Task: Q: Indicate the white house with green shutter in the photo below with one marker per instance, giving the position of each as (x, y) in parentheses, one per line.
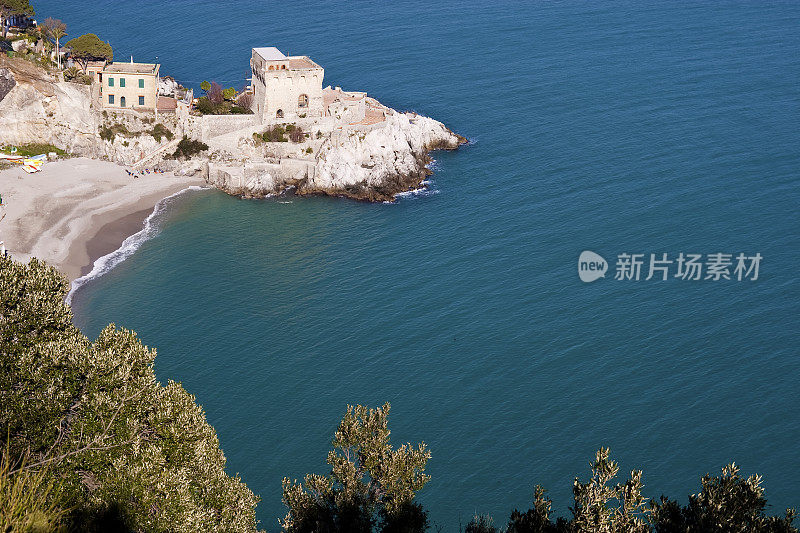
(129, 86)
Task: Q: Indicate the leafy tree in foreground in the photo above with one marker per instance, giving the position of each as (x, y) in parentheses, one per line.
(118, 447)
(9, 8)
(480, 524)
(594, 508)
(89, 47)
(726, 504)
(370, 485)
(537, 518)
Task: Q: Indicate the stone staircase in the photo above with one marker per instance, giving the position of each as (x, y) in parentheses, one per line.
(171, 146)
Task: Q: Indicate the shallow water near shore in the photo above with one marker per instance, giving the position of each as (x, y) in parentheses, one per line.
(638, 128)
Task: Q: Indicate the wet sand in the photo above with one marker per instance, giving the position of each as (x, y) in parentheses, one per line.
(111, 236)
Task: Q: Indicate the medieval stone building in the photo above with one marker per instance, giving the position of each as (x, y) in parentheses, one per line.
(285, 87)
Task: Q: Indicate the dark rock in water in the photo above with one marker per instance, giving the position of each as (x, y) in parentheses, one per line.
(7, 82)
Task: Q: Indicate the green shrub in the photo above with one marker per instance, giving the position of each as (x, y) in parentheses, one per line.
(205, 106)
(108, 133)
(159, 131)
(31, 149)
(274, 134)
(72, 73)
(189, 147)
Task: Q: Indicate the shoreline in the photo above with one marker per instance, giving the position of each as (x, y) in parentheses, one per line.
(110, 237)
(78, 210)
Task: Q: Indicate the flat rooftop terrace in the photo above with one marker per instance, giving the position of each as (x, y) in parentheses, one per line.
(301, 63)
(132, 68)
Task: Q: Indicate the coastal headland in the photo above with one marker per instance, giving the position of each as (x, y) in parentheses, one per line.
(333, 142)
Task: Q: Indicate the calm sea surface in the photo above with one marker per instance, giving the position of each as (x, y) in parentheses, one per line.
(638, 127)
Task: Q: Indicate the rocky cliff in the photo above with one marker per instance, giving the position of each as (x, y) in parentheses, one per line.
(38, 109)
(376, 164)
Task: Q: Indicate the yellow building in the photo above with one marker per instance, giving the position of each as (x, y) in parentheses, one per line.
(128, 86)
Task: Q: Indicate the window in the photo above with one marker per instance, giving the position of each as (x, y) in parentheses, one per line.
(111, 99)
(110, 82)
(141, 100)
(302, 101)
(122, 82)
(279, 114)
(141, 83)
(122, 101)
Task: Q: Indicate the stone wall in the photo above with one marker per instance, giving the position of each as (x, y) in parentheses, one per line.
(214, 125)
(262, 178)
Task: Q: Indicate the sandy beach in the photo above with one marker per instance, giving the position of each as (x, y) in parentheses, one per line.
(76, 210)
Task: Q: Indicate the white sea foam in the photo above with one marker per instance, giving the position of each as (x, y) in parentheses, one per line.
(149, 230)
(422, 191)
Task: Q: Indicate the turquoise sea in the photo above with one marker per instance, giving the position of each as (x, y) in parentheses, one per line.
(617, 127)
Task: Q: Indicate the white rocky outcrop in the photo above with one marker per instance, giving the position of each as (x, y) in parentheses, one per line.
(389, 157)
(167, 86)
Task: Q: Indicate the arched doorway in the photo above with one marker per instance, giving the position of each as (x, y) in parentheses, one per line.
(122, 102)
(279, 114)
